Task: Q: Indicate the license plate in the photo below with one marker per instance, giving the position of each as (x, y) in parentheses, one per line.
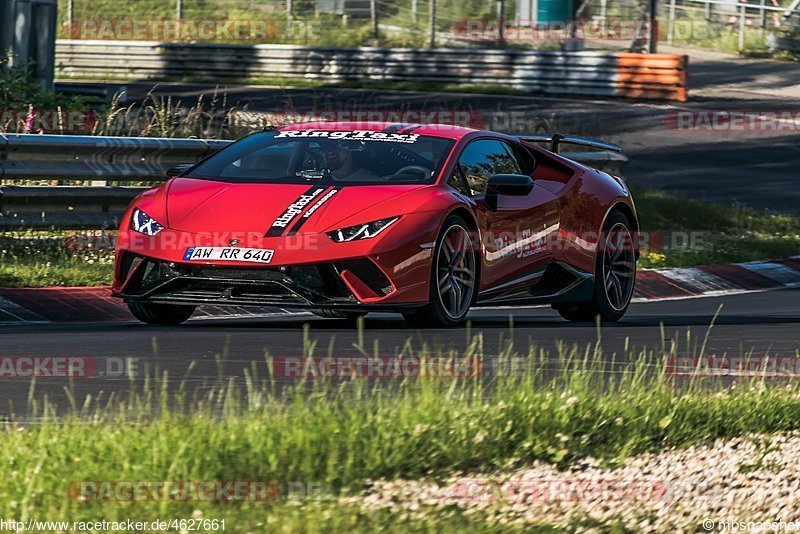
(250, 255)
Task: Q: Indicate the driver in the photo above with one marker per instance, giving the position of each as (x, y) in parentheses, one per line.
(339, 159)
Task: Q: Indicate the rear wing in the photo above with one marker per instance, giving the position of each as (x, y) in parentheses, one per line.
(558, 139)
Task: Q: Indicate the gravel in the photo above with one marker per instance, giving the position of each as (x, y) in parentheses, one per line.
(750, 479)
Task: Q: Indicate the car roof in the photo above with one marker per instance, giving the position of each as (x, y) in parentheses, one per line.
(447, 131)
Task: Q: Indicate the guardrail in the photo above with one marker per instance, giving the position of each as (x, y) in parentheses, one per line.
(87, 157)
(71, 157)
(595, 73)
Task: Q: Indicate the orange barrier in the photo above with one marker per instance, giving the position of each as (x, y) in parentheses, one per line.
(659, 76)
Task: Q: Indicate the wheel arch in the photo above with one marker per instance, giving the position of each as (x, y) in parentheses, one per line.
(627, 211)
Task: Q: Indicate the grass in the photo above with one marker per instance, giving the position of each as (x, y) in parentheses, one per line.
(339, 435)
(697, 233)
(718, 36)
(54, 258)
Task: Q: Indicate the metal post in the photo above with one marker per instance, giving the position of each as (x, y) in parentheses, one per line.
(603, 9)
(70, 15)
(653, 37)
(414, 10)
(671, 22)
(373, 13)
(289, 15)
(742, 22)
(179, 10)
(432, 20)
(709, 8)
(763, 17)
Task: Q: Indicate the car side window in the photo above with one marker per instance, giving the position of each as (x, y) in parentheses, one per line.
(457, 182)
(483, 158)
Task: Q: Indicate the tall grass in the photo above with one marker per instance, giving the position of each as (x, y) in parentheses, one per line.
(557, 407)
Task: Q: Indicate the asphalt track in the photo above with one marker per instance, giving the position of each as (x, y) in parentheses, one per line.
(202, 352)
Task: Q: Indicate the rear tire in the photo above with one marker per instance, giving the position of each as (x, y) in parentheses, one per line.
(454, 278)
(615, 275)
(170, 314)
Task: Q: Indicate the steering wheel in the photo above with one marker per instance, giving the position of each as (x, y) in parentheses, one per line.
(415, 169)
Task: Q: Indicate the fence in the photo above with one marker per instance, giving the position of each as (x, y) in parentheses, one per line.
(697, 21)
(55, 157)
(594, 73)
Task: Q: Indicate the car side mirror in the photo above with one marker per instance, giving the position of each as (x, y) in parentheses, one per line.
(177, 170)
(507, 184)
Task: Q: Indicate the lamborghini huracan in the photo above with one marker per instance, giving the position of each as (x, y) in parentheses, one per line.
(343, 219)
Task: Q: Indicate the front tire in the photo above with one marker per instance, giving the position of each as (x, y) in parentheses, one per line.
(164, 314)
(615, 275)
(454, 277)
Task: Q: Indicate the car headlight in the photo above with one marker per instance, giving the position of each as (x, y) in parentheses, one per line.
(144, 224)
(361, 231)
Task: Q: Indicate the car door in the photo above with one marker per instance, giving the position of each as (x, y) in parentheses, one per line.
(515, 234)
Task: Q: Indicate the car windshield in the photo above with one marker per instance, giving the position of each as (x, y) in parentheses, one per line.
(302, 156)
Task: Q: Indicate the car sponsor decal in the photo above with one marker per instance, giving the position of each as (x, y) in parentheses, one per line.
(293, 210)
(310, 211)
(527, 243)
(356, 135)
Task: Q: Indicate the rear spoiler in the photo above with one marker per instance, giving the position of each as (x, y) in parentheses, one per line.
(557, 139)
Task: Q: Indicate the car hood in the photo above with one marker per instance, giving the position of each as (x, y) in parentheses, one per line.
(275, 209)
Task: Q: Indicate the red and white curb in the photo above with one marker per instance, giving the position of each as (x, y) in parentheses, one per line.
(95, 304)
(713, 280)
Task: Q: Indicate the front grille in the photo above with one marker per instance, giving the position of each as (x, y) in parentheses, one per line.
(203, 271)
(301, 285)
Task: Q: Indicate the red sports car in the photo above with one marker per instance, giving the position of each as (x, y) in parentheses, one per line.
(342, 219)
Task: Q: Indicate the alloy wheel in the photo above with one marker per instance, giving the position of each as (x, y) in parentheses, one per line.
(619, 266)
(455, 270)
